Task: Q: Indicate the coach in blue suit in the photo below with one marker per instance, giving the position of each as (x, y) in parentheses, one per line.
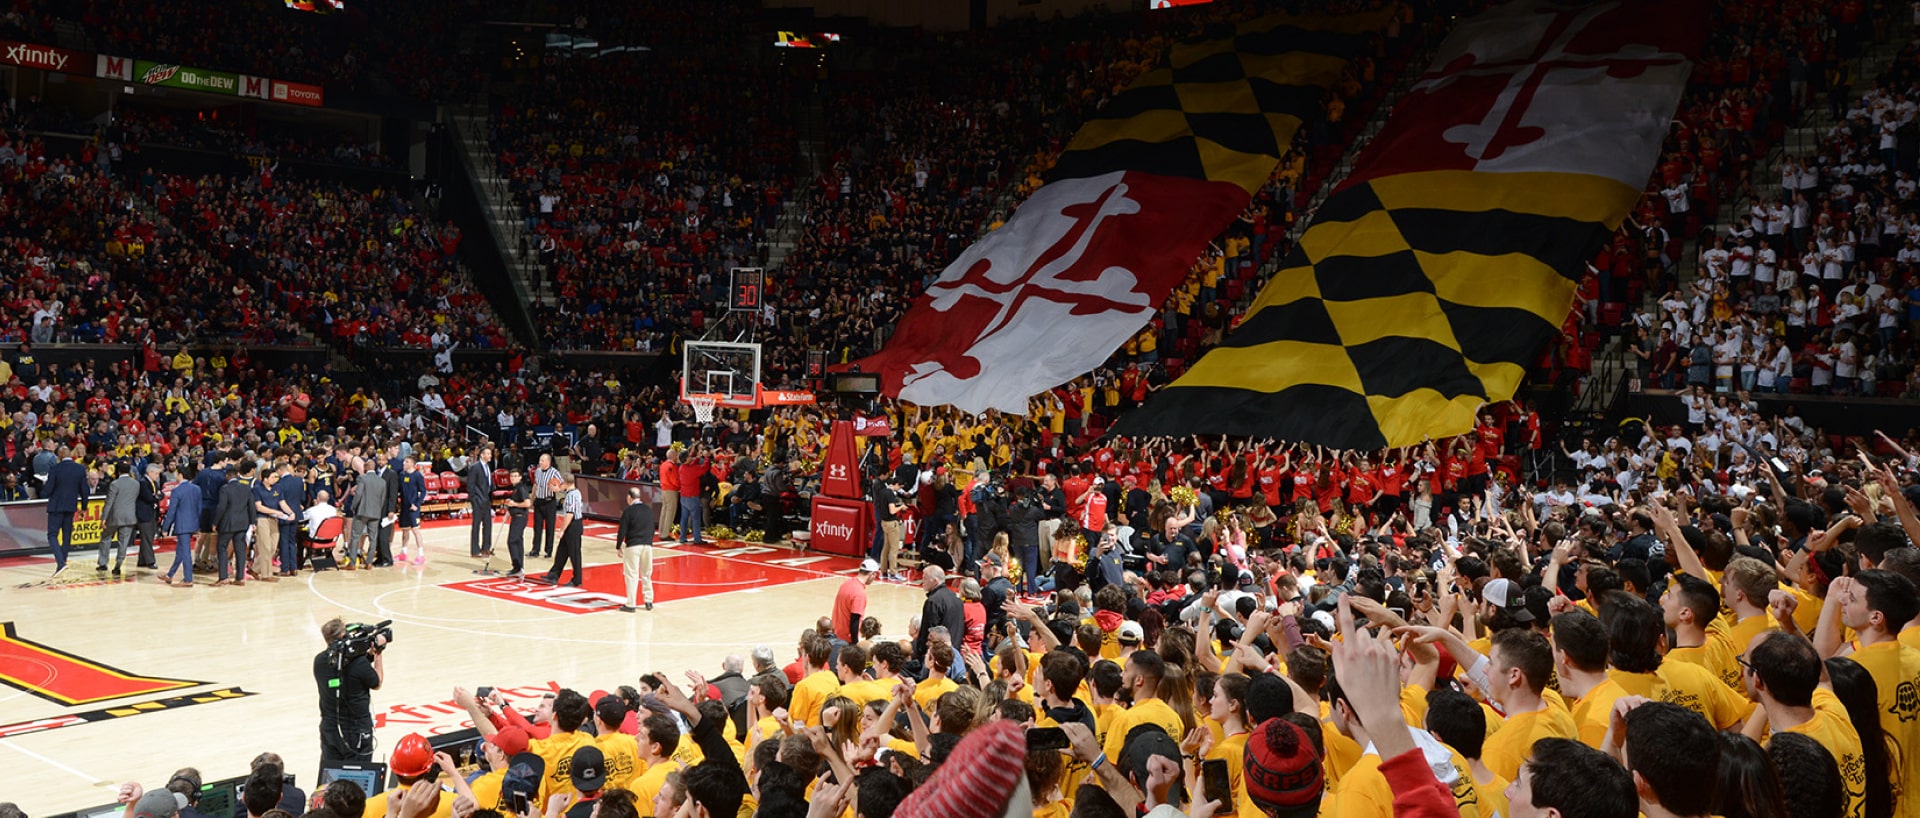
(66, 484)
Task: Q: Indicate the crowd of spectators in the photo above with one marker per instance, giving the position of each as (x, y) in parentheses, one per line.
(644, 176)
(1814, 292)
(1668, 650)
(1745, 320)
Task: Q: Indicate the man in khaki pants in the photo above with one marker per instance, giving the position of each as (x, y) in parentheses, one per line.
(634, 544)
(266, 526)
(669, 494)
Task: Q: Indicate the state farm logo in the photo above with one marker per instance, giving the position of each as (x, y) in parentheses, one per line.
(836, 530)
(540, 595)
(37, 56)
(159, 74)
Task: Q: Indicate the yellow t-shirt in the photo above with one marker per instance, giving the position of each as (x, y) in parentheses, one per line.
(1896, 673)
(1506, 750)
(1056, 809)
(867, 690)
(1690, 686)
(648, 785)
(933, 688)
(622, 753)
(1807, 614)
(1911, 637)
(808, 696)
(1149, 711)
(1716, 656)
(1233, 750)
(1743, 631)
(1493, 794)
(377, 803)
(1594, 712)
(557, 751)
(1365, 793)
(486, 792)
(769, 728)
(1103, 716)
(1830, 727)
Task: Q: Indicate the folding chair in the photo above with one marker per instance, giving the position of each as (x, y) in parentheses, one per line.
(321, 544)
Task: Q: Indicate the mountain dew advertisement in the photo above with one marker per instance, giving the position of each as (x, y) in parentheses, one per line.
(172, 75)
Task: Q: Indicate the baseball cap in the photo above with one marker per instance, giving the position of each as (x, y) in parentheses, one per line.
(589, 769)
(1282, 775)
(511, 740)
(523, 776)
(868, 566)
(1144, 742)
(1130, 632)
(1507, 595)
(156, 804)
(995, 561)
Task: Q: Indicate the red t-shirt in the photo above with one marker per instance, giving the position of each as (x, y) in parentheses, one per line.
(1270, 485)
(975, 615)
(669, 478)
(851, 599)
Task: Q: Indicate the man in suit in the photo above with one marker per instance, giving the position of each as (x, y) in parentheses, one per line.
(480, 501)
(389, 507)
(181, 523)
(634, 544)
(119, 519)
(66, 484)
(146, 513)
(232, 517)
(367, 496)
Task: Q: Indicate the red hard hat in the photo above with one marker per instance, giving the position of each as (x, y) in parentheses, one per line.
(412, 756)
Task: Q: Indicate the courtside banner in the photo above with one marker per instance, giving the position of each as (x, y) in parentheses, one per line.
(173, 75)
(23, 527)
(295, 93)
(1141, 189)
(1439, 269)
(45, 57)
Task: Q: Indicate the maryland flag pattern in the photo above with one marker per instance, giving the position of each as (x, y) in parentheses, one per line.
(1440, 268)
(1141, 189)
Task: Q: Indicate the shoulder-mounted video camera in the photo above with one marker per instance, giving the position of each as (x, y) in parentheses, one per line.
(362, 639)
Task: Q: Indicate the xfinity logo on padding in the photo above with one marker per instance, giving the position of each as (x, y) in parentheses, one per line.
(827, 529)
(23, 54)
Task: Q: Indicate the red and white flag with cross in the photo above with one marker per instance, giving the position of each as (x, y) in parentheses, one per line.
(1554, 87)
(1078, 270)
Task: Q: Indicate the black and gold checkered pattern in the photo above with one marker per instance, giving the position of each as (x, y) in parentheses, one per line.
(1222, 109)
(1411, 301)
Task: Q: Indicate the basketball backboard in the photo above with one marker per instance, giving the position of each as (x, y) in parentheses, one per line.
(728, 370)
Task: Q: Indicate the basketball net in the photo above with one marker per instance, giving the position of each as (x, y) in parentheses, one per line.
(703, 406)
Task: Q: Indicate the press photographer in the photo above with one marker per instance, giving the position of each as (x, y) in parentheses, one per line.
(347, 673)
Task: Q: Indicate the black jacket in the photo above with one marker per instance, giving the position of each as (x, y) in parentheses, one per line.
(1023, 525)
(235, 511)
(146, 507)
(636, 525)
(943, 608)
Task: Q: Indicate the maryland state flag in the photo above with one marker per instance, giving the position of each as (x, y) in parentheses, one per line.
(1159, 172)
(1450, 256)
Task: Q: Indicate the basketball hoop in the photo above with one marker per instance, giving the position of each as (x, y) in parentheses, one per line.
(703, 406)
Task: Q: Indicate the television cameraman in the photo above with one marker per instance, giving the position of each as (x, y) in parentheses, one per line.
(347, 673)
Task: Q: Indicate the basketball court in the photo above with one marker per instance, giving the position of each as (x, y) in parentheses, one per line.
(105, 682)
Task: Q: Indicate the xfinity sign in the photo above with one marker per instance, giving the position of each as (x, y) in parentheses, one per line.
(43, 57)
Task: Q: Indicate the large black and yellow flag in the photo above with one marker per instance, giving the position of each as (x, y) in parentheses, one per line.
(1147, 182)
(1439, 269)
